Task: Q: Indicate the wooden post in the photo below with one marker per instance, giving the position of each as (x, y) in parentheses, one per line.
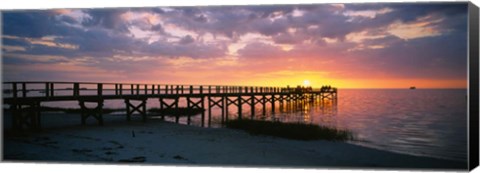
(129, 114)
(99, 89)
(138, 89)
(203, 107)
(191, 89)
(131, 89)
(144, 109)
(37, 115)
(209, 111)
(116, 89)
(252, 106)
(121, 89)
(47, 90)
(146, 89)
(202, 104)
(176, 108)
(51, 89)
(239, 107)
(188, 106)
(161, 108)
(181, 87)
(76, 89)
(223, 108)
(153, 89)
(166, 89)
(273, 103)
(264, 101)
(24, 89)
(225, 105)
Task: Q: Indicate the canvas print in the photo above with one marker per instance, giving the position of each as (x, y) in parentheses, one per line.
(355, 85)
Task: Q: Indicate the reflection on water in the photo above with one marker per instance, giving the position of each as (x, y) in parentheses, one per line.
(419, 122)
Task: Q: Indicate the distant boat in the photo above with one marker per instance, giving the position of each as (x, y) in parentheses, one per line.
(412, 88)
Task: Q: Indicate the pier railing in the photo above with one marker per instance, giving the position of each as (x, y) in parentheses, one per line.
(75, 89)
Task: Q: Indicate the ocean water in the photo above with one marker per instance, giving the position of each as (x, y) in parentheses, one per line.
(428, 122)
(424, 122)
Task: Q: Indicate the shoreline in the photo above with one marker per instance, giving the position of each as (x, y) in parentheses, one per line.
(163, 143)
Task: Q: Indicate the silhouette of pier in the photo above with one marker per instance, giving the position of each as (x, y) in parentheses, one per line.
(24, 98)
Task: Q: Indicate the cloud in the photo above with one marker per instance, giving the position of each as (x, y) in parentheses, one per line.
(13, 48)
(347, 40)
(261, 52)
(108, 19)
(37, 58)
(34, 24)
(186, 40)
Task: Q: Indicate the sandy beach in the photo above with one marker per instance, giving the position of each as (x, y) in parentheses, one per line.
(165, 143)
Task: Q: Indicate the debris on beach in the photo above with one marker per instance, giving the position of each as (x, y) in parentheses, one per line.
(138, 159)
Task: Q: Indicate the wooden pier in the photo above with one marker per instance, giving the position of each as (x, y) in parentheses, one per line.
(24, 98)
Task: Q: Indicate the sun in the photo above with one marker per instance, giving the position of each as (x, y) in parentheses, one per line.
(306, 83)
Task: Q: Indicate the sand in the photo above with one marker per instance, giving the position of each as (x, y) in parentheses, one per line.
(165, 143)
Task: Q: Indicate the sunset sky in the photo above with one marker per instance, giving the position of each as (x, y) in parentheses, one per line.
(343, 45)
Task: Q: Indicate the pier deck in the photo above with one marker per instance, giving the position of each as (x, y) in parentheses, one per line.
(24, 98)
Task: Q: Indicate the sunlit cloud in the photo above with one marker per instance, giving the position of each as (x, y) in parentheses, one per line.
(50, 42)
(371, 14)
(338, 6)
(330, 40)
(77, 15)
(37, 58)
(344, 44)
(129, 58)
(13, 48)
(298, 13)
(424, 27)
(183, 61)
(359, 37)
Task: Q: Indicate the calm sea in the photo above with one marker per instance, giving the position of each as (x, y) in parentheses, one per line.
(425, 122)
(420, 122)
